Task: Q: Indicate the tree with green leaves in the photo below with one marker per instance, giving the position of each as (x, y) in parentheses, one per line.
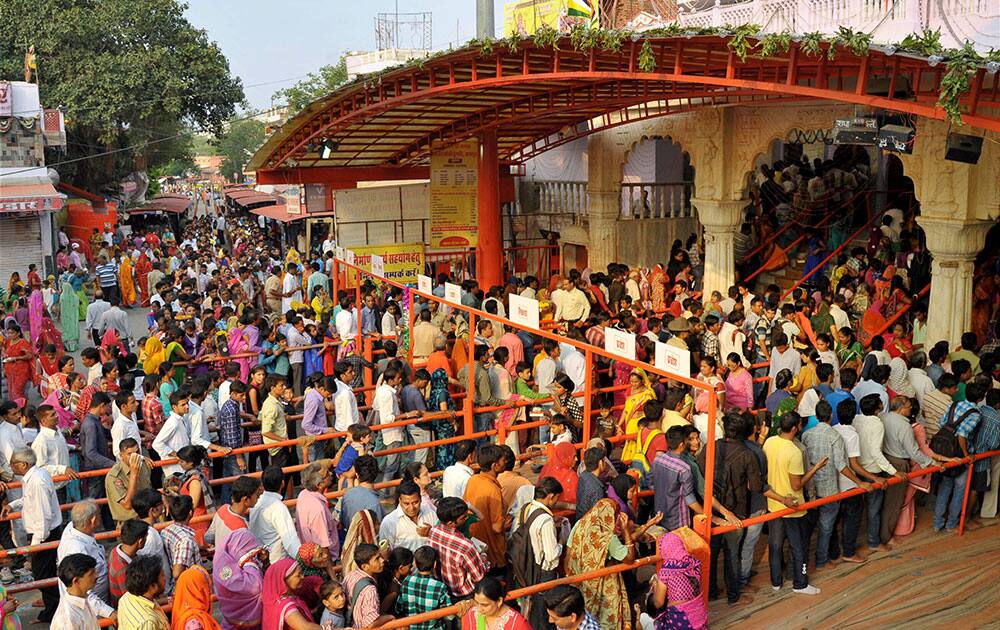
(315, 85)
(133, 76)
(236, 145)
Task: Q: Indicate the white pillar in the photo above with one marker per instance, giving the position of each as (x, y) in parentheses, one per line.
(721, 220)
(602, 226)
(954, 246)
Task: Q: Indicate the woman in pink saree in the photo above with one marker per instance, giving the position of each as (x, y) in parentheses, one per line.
(238, 344)
(36, 312)
(676, 591)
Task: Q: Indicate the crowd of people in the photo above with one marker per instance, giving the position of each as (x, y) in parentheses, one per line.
(245, 346)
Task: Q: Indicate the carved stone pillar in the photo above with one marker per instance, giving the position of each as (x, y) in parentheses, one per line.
(954, 246)
(603, 212)
(721, 220)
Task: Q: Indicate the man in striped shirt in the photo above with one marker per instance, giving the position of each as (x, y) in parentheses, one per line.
(107, 277)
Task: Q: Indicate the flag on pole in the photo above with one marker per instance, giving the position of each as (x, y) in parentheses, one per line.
(30, 66)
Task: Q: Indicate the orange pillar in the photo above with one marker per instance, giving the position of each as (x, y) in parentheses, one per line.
(489, 252)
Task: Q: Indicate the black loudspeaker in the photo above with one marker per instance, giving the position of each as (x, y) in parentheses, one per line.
(963, 148)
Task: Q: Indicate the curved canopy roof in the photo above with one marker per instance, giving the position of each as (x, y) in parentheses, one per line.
(539, 96)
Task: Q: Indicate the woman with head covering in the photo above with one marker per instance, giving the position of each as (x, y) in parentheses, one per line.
(283, 609)
(440, 400)
(239, 579)
(899, 380)
(69, 316)
(18, 365)
(562, 467)
(125, 282)
(153, 355)
(676, 592)
(593, 544)
(658, 288)
(36, 313)
(364, 529)
(639, 393)
(143, 267)
(192, 601)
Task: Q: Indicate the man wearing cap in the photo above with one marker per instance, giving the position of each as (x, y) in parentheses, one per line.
(679, 328)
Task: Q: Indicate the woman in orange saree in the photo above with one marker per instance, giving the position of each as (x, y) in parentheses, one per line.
(142, 269)
(126, 282)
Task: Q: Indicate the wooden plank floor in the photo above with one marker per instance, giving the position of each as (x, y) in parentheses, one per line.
(928, 580)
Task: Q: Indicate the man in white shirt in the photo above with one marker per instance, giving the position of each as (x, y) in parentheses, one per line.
(175, 433)
(546, 543)
(78, 537)
(347, 327)
(197, 421)
(291, 288)
(410, 523)
(345, 403)
(50, 447)
(386, 403)
(871, 433)
(11, 439)
(574, 364)
(732, 337)
(148, 505)
(457, 476)
(41, 519)
(329, 244)
(78, 574)
(922, 383)
(125, 425)
(95, 310)
(574, 305)
(270, 520)
(839, 315)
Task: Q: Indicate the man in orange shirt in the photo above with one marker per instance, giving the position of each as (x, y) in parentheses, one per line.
(483, 493)
(439, 358)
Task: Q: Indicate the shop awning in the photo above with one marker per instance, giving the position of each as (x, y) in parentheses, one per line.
(278, 212)
(33, 197)
(175, 204)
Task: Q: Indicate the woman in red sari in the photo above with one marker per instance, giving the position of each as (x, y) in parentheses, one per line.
(18, 364)
(142, 268)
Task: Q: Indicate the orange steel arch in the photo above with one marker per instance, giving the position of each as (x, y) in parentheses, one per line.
(543, 95)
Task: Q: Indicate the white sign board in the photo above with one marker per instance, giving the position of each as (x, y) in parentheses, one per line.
(453, 293)
(349, 257)
(619, 342)
(424, 284)
(524, 311)
(338, 252)
(673, 359)
(378, 266)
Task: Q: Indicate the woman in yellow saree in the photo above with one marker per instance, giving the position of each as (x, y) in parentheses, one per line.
(639, 393)
(125, 281)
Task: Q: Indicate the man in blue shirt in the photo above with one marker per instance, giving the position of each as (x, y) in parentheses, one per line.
(951, 490)
(874, 385)
(848, 379)
(411, 398)
(231, 434)
(363, 495)
(368, 316)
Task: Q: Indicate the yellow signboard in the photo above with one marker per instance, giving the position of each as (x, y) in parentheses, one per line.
(453, 193)
(402, 262)
(527, 16)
